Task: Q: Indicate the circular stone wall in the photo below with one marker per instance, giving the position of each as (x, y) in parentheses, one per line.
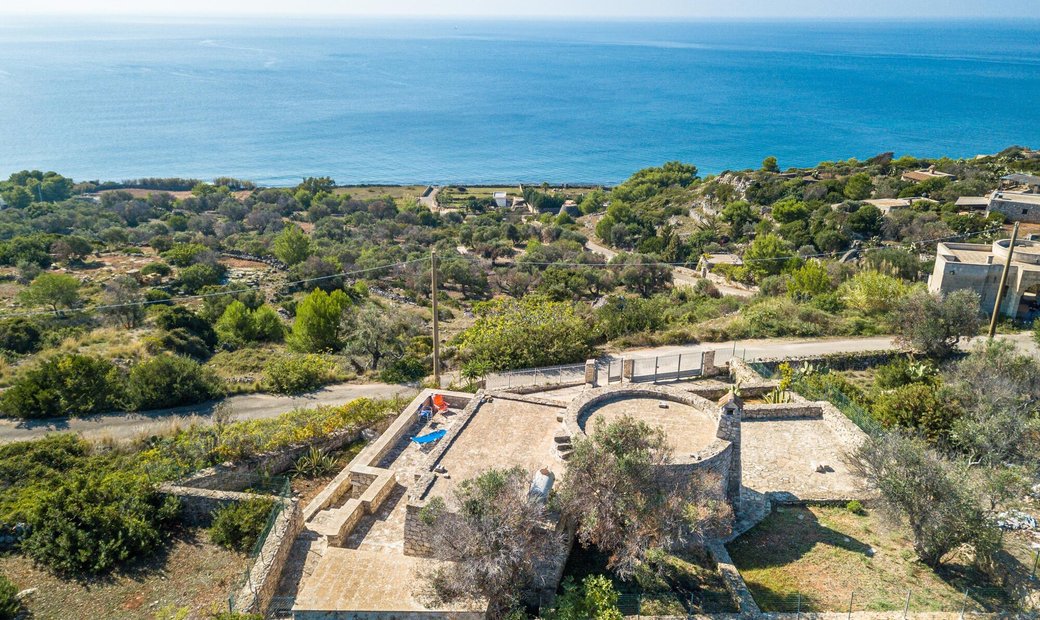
(689, 421)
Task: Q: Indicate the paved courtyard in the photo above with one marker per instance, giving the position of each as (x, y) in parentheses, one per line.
(502, 433)
(782, 455)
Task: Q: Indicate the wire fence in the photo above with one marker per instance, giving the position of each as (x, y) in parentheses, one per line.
(852, 410)
(971, 600)
(550, 375)
(280, 489)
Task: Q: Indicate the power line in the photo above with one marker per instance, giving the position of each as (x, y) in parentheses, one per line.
(92, 309)
(764, 259)
(103, 307)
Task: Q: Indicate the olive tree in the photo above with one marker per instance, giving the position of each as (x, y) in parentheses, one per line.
(933, 325)
(936, 497)
(492, 534)
(626, 497)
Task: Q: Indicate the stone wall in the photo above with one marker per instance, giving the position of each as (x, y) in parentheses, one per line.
(262, 582)
(198, 505)
(783, 411)
(242, 475)
(855, 360)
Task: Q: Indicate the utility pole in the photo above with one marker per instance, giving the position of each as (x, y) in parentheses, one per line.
(1003, 283)
(436, 327)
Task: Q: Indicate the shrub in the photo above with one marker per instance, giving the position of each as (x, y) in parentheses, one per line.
(67, 385)
(19, 335)
(168, 381)
(407, 369)
(298, 373)
(238, 526)
(239, 325)
(8, 599)
(527, 333)
(916, 406)
(855, 507)
(95, 519)
(595, 599)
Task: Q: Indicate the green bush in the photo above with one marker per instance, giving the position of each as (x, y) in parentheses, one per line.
(168, 381)
(915, 406)
(19, 335)
(96, 518)
(66, 385)
(238, 526)
(8, 602)
(298, 373)
(855, 507)
(407, 369)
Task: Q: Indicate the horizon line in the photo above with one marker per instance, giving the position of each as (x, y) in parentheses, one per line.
(315, 16)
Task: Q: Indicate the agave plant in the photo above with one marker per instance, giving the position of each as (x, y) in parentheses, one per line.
(313, 464)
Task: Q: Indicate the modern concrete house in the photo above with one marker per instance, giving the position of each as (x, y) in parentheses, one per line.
(977, 267)
(501, 200)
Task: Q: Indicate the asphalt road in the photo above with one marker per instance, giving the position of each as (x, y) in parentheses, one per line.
(121, 426)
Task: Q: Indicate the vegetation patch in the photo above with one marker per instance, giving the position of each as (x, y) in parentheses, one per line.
(827, 557)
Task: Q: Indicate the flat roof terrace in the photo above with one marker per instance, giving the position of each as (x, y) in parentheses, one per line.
(687, 428)
(501, 433)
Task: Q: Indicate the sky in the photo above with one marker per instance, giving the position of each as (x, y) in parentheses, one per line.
(592, 9)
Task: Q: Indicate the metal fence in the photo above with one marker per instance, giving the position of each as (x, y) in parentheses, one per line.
(667, 367)
(551, 375)
(280, 488)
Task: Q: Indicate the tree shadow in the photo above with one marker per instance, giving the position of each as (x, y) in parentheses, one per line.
(785, 537)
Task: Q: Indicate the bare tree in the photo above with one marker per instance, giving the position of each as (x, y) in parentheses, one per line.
(122, 300)
(492, 535)
(627, 497)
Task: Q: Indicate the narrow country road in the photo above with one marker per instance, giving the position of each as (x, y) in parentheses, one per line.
(798, 347)
(121, 426)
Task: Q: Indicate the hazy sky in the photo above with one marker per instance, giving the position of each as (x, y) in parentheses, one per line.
(548, 8)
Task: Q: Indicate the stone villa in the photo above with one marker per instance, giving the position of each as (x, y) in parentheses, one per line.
(364, 544)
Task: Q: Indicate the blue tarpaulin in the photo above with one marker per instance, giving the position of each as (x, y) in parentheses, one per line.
(430, 437)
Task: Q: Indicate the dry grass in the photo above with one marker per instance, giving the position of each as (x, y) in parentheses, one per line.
(192, 573)
(829, 556)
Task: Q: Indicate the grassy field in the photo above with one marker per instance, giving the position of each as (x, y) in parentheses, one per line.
(397, 192)
(192, 573)
(825, 557)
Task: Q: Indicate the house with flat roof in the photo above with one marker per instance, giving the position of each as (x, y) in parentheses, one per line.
(1016, 206)
(501, 200)
(978, 266)
(972, 203)
(926, 174)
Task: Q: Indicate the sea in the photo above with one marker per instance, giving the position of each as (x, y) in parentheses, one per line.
(475, 101)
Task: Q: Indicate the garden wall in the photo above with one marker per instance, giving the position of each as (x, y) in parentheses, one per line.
(784, 411)
(244, 474)
(262, 580)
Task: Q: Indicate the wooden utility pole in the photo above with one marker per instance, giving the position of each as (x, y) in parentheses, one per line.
(436, 327)
(1003, 283)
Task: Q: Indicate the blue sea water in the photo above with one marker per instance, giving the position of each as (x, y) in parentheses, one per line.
(406, 101)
